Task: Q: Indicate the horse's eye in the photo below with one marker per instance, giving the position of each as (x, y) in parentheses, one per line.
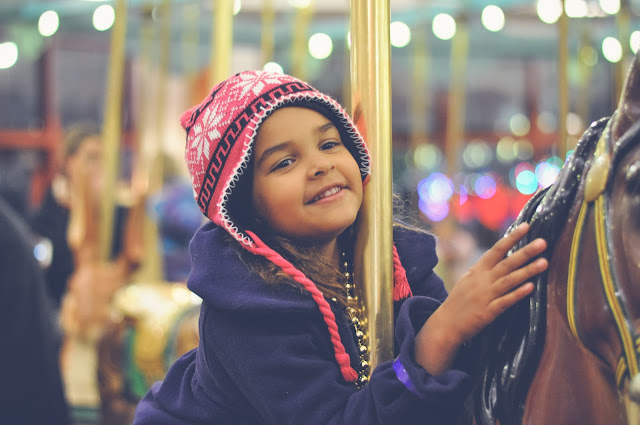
(633, 178)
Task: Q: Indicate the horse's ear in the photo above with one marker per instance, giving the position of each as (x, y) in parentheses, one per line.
(628, 110)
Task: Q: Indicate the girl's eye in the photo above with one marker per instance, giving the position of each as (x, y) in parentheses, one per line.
(282, 164)
(330, 145)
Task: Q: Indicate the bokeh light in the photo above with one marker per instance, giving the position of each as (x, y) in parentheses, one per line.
(300, 4)
(504, 150)
(8, 54)
(634, 41)
(444, 26)
(574, 124)
(523, 149)
(576, 8)
(103, 17)
(612, 49)
(546, 122)
(519, 124)
(549, 11)
(477, 154)
(610, 6)
(485, 186)
(526, 182)
(273, 67)
(48, 23)
(434, 211)
(320, 45)
(492, 18)
(427, 157)
(436, 188)
(400, 34)
(546, 173)
(589, 56)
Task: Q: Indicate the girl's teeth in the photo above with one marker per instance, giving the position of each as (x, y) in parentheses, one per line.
(328, 193)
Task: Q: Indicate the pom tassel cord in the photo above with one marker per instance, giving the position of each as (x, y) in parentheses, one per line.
(260, 248)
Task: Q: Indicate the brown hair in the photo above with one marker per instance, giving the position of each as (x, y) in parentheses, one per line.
(76, 135)
(305, 257)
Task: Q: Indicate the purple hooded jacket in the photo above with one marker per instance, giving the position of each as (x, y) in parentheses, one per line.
(265, 356)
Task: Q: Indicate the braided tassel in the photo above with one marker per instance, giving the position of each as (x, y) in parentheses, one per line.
(348, 373)
(401, 288)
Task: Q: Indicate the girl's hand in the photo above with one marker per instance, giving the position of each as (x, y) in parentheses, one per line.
(489, 288)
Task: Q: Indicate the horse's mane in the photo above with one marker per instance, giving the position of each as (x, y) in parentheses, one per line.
(510, 348)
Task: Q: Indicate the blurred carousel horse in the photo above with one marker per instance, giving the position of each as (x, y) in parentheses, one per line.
(91, 287)
(569, 354)
(151, 327)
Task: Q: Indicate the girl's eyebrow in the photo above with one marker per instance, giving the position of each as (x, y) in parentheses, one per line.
(284, 145)
(325, 127)
(270, 151)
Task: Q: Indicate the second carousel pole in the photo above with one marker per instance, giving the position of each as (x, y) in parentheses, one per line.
(371, 102)
(112, 126)
(222, 39)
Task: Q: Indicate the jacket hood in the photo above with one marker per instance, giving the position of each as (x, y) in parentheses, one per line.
(224, 281)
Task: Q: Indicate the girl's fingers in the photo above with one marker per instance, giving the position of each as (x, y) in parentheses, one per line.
(517, 277)
(501, 304)
(520, 257)
(498, 251)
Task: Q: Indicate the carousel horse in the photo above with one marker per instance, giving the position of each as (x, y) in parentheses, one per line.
(151, 326)
(569, 354)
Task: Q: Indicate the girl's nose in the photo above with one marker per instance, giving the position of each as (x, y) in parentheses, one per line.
(321, 167)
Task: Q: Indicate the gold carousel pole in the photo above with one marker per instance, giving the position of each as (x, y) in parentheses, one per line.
(151, 270)
(457, 95)
(623, 24)
(419, 97)
(112, 127)
(222, 40)
(563, 83)
(267, 40)
(299, 45)
(371, 101)
(585, 50)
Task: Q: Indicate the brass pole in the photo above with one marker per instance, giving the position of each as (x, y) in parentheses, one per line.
(419, 95)
(623, 24)
(300, 40)
(563, 83)
(112, 126)
(586, 71)
(267, 41)
(190, 39)
(457, 95)
(222, 34)
(371, 100)
(151, 270)
(346, 80)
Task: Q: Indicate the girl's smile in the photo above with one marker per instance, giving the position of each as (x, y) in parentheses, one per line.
(328, 194)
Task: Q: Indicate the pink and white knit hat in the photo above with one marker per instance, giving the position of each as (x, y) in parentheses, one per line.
(222, 129)
(220, 135)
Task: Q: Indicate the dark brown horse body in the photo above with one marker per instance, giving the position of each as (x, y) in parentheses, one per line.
(567, 356)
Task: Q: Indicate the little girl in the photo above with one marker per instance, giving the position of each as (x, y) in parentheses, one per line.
(280, 170)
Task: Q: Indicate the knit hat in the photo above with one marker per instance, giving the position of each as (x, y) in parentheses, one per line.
(220, 135)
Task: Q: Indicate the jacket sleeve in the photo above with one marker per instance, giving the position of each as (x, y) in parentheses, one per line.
(277, 368)
(180, 399)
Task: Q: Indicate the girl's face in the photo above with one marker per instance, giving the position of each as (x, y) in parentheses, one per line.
(306, 184)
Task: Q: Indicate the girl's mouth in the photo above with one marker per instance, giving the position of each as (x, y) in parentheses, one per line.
(326, 193)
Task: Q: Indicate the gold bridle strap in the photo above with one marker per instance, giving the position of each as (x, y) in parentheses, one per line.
(595, 197)
(573, 265)
(611, 290)
(621, 369)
